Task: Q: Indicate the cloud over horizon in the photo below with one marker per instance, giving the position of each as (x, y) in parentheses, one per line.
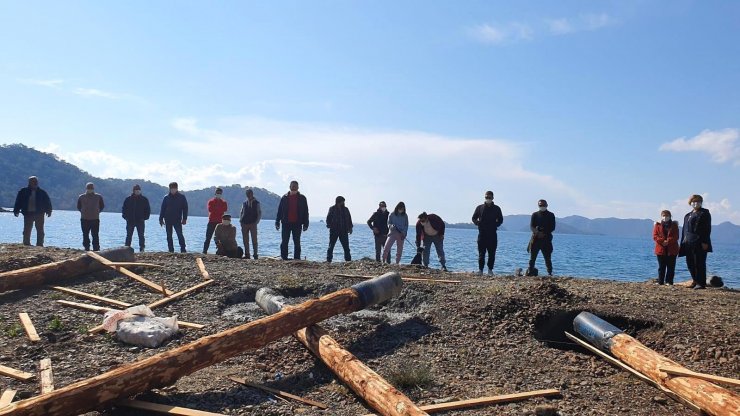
(515, 31)
(721, 145)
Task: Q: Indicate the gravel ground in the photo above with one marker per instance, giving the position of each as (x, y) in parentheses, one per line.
(435, 342)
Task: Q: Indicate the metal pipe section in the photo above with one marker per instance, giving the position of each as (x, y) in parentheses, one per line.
(595, 330)
(378, 290)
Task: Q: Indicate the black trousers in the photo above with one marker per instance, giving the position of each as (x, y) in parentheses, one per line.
(90, 227)
(139, 225)
(210, 228)
(295, 229)
(487, 242)
(544, 245)
(234, 254)
(666, 268)
(344, 239)
(379, 244)
(177, 226)
(696, 261)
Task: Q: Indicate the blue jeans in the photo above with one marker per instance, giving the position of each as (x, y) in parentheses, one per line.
(438, 242)
(289, 228)
(180, 238)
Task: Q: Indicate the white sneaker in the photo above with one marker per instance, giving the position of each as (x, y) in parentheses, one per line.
(490, 272)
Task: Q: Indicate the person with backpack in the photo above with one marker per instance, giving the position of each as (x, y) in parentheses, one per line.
(542, 224)
(488, 218)
(339, 223)
(430, 229)
(398, 228)
(378, 222)
(135, 211)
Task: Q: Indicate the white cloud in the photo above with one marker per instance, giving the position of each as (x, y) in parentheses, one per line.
(50, 83)
(721, 145)
(721, 210)
(597, 21)
(585, 22)
(499, 34)
(92, 92)
(560, 26)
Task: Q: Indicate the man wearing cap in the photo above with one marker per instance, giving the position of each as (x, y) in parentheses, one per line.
(430, 230)
(292, 214)
(542, 225)
(378, 222)
(216, 208)
(173, 214)
(90, 204)
(339, 223)
(135, 211)
(249, 217)
(488, 218)
(33, 202)
(224, 235)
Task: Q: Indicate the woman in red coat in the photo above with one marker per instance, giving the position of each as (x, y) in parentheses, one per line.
(665, 235)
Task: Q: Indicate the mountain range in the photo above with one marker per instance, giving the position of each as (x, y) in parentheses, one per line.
(64, 182)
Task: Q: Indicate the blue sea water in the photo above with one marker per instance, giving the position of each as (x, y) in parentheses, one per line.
(606, 257)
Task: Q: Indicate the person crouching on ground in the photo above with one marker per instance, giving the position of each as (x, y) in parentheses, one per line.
(398, 227)
(665, 235)
(224, 235)
(431, 230)
(695, 241)
(339, 223)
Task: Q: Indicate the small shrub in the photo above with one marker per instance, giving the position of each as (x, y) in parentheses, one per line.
(411, 375)
(13, 330)
(56, 296)
(56, 324)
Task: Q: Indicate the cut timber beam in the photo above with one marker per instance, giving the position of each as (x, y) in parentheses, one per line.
(278, 393)
(405, 279)
(28, 327)
(163, 408)
(128, 273)
(103, 309)
(182, 293)
(45, 376)
(7, 397)
(134, 264)
(169, 366)
(485, 401)
(368, 384)
(57, 272)
(202, 268)
(16, 374)
(680, 371)
(90, 296)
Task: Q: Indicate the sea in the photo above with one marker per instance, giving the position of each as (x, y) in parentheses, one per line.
(589, 256)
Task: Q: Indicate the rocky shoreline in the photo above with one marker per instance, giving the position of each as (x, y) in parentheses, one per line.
(435, 342)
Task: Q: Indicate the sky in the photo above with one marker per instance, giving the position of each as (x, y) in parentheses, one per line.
(603, 108)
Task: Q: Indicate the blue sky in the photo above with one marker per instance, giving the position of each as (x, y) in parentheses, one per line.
(604, 108)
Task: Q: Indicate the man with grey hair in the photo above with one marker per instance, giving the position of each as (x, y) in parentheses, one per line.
(33, 202)
(90, 204)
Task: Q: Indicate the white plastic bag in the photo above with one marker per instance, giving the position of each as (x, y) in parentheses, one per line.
(137, 325)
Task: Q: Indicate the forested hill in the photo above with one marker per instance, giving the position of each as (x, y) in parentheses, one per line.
(65, 182)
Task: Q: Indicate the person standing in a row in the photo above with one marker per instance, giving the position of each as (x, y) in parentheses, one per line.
(216, 207)
(488, 218)
(430, 229)
(339, 223)
(33, 202)
(90, 204)
(135, 211)
(665, 235)
(696, 242)
(173, 215)
(542, 224)
(398, 228)
(292, 213)
(249, 217)
(378, 222)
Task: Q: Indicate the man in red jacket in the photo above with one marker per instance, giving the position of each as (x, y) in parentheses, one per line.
(430, 229)
(217, 207)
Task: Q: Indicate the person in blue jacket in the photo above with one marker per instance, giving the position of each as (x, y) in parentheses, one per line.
(173, 215)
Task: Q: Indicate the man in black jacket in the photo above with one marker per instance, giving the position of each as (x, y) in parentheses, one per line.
(33, 202)
(378, 222)
(542, 225)
(488, 218)
(173, 214)
(696, 241)
(135, 211)
(293, 215)
(339, 223)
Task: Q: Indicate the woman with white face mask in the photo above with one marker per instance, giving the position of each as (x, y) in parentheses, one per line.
(695, 241)
(378, 222)
(665, 235)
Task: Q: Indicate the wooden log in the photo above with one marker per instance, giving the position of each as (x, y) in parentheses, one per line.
(680, 371)
(163, 408)
(202, 268)
(57, 272)
(7, 397)
(16, 374)
(128, 273)
(709, 397)
(33, 336)
(167, 367)
(278, 393)
(180, 294)
(90, 296)
(134, 264)
(366, 383)
(405, 279)
(46, 379)
(485, 401)
(103, 309)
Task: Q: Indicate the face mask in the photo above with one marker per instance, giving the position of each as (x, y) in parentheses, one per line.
(293, 192)
(137, 192)
(543, 209)
(218, 196)
(489, 201)
(400, 211)
(666, 219)
(696, 204)
(226, 222)
(89, 191)
(383, 209)
(173, 191)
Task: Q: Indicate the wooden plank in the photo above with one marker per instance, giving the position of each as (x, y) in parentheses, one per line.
(16, 374)
(679, 371)
(103, 309)
(278, 393)
(179, 294)
(163, 408)
(128, 273)
(7, 397)
(28, 327)
(405, 279)
(90, 296)
(202, 268)
(134, 264)
(46, 378)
